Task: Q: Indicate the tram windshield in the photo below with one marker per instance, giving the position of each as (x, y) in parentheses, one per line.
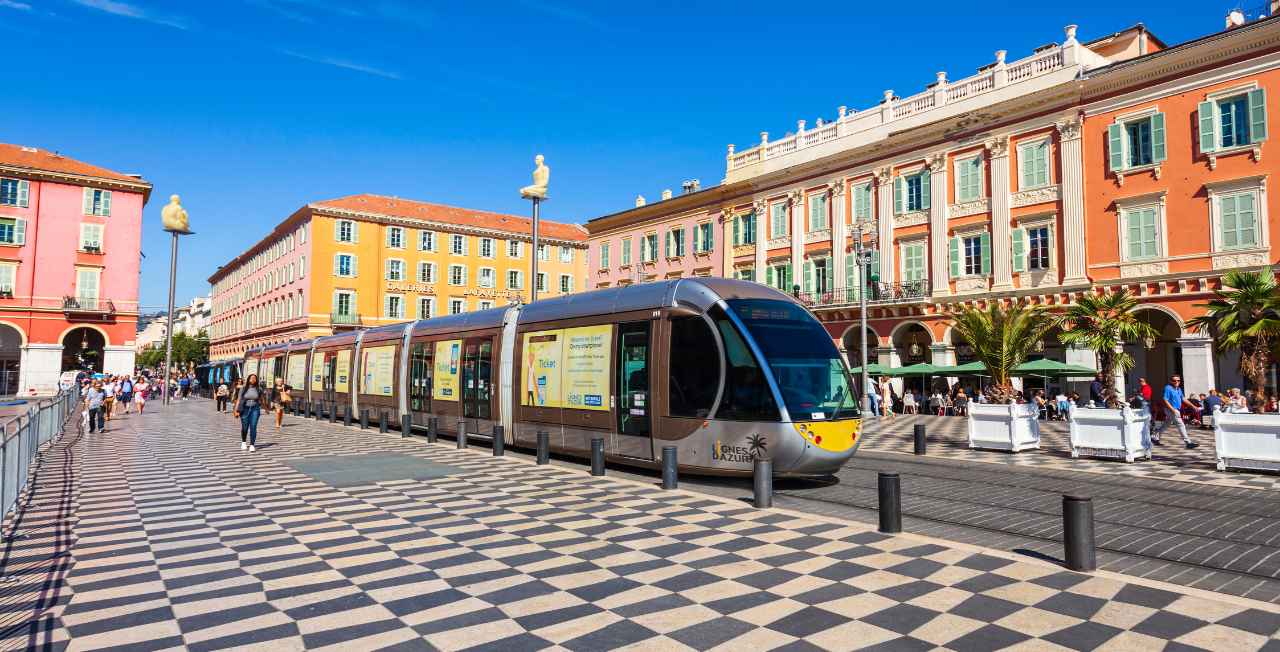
(812, 378)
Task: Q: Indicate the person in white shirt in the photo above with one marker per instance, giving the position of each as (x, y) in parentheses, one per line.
(109, 388)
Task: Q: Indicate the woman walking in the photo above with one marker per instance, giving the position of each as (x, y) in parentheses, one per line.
(221, 395)
(140, 390)
(279, 399)
(248, 409)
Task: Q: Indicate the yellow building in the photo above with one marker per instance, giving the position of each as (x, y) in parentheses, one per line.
(368, 260)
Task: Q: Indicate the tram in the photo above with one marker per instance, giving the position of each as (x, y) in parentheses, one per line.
(727, 371)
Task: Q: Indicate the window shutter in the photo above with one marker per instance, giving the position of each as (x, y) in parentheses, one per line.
(337, 230)
(337, 264)
(830, 275)
(667, 244)
(924, 189)
(88, 201)
(875, 268)
(808, 276)
(897, 194)
(985, 241)
(355, 270)
(1257, 115)
(768, 275)
(1019, 250)
(1042, 164)
(1246, 219)
(355, 233)
(737, 231)
(708, 237)
(24, 193)
(1134, 225)
(106, 202)
(1208, 126)
(20, 232)
(1026, 176)
(788, 276)
(955, 257)
(1115, 146)
(850, 266)
(1157, 138)
(754, 229)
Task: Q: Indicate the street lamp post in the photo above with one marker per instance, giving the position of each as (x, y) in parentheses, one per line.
(863, 257)
(174, 219)
(536, 193)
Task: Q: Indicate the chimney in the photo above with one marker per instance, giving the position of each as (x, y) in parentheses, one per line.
(666, 194)
(639, 201)
(689, 186)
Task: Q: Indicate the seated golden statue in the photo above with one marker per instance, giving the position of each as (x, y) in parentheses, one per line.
(174, 216)
(541, 175)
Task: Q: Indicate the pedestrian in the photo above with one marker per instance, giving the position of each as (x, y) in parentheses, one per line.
(873, 395)
(887, 397)
(1172, 401)
(126, 393)
(962, 403)
(140, 392)
(909, 402)
(280, 399)
(94, 401)
(248, 409)
(184, 386)
(1144, 389)
(109, 387)
(221, 395)
(1095, 391)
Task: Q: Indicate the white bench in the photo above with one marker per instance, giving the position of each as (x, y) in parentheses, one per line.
(1013, 427)
(1115, 434)
(1247, 441)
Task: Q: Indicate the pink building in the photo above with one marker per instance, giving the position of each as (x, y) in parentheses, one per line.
(637, 246)
(70, 245)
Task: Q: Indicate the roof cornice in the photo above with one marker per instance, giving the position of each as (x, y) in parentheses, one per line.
(77, 179)
(445, 227)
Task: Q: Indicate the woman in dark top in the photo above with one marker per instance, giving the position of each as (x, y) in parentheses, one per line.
(248, 409)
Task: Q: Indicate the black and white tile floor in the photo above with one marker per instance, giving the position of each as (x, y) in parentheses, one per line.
(162, 534)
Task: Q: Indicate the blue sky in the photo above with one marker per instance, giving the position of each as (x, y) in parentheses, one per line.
(251, 108)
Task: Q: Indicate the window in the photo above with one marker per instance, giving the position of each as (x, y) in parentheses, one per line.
(344, 303)
(395, 269)
(8, 279)
(746, 274)
(566, 284)
(515, 279)
(604, 255)
(426, 307)
(302, 234)
(302, 266)
(1033, 164)
(746, 394)
(566, 254)
(1136, 142)
(649, 248)
(486, 247)
(778, 220)
(913, 261)
(1237, 120)
(15, 192)
(395, 237)
(514, 249)
(542, 281)
(484, 305)
(969, 179)
(544, 252)
(488, 277)
(817, 275)
(345, 231)
(1140, 233)
(675, 243)
(626, 251)
(87, 283)
(458, 245)
(457, 275)
(971, 255)
(394, 307)
(97, 202)
(91, 237)
(778, 275)
(457, 306)
(703, 238)
(911, 192)
(744, 229)
(694, 368)
(862, 202)
(427, 240)
(344, 265)
(818, 213)
(426, 272)
(1038, 248)
(1238, 221)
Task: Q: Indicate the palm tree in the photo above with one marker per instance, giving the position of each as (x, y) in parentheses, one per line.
(1102, 323)
(1245, 316)
(1002, 338)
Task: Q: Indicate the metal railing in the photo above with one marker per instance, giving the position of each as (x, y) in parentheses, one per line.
(340, 319)
(88, 304)
(878, 294)
(23, 437)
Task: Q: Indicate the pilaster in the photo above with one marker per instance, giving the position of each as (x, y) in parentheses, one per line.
(939, 268)
(762, 238)
(726, 243)
(1197, 364)
(884, 222)
(839, 239)
(1001, 245)
(795, 204)
(1072, 203)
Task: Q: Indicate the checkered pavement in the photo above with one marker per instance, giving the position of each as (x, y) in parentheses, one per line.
(163, 534)
(949, 438)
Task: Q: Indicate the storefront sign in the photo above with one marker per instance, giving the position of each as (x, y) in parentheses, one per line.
(409, 286)
(490, 293)
(447, 360)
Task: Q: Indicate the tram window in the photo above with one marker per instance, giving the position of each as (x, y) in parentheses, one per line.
(746, 392)
(695, 369)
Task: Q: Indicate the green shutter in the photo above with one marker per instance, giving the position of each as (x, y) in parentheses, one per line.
(1026, 175)
(1133, 224)
(808, 276)
(955, 257)
(24, 193)
(1115, 146)
(1257, 115)
(87, 196)
(875, 266)
(1246, 220)
(986, 253)
(1157, 138)
(1042, 164)
(1208, 126)
(1019, 250)
(768, 276)
(924, 190)
(1227, 206)
(19, 232)
(737, 231)
(830, 274)
(897, 195)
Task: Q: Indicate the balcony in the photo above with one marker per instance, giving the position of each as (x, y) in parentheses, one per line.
(344, 320)
(880, 294)
(88, 308)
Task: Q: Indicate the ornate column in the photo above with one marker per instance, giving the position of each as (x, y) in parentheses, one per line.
(939, 266)
(884, 222)
(795, 203)
(1072, 203)
(839, 239)
(1001, 245)
(762, 238)
(726, 243)
(1197, 364)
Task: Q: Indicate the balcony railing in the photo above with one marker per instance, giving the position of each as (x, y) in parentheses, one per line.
(88, 305)
(344, 319)
(878, 294)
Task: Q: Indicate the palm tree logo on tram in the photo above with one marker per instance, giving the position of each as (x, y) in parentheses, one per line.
(757, 445)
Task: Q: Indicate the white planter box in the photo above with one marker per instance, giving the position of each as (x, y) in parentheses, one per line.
(1247, 441)
(1099, 432)
(1012, 427)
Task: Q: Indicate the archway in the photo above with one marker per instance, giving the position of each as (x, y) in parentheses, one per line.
(911, 345)
(83, 348)
(853, 345)
(10, 359)
(1157, 358)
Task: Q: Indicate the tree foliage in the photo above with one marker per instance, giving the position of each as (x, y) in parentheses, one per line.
(1244, 316)
(187, 352)
(1102, 323)
(1002, 338)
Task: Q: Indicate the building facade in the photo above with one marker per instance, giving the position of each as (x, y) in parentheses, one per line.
(79, 310)
(1114, 163)
(368, 260)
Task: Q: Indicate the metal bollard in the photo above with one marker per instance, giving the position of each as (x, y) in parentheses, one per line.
(406, 424)
(597, 456)
(462, 434)
(364, 418)
(1077, 533)
(433, 429)
(499, 441)
(762, 483)
(544, 447)
(921, 439)
(346, 417)
(669, 477)
(890, 503)
(382, 421)
(333, 411)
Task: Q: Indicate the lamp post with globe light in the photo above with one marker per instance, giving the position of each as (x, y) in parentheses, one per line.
(863, 256)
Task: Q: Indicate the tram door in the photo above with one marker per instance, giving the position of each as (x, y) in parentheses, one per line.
(635, 401)
(477, 379)
(327, 382)
(420, 377)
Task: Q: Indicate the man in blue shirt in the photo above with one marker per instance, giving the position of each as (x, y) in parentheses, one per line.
(1172, 401)
(1211, 404)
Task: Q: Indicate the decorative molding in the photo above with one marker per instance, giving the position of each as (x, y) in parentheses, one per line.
(1039, 278)
(914, 218)
(1134, 270)
(836, 187)
(822, 235)
(726, 214)
(1069, 129)
(1035, 196)
(1255, 152)
(761, 208)
(744, 250)
(882, 176)
(775, 243)
(972, 284)
(1233, 261)
(997, 147)
(795, 198)
(974, 207)
(936, 162)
